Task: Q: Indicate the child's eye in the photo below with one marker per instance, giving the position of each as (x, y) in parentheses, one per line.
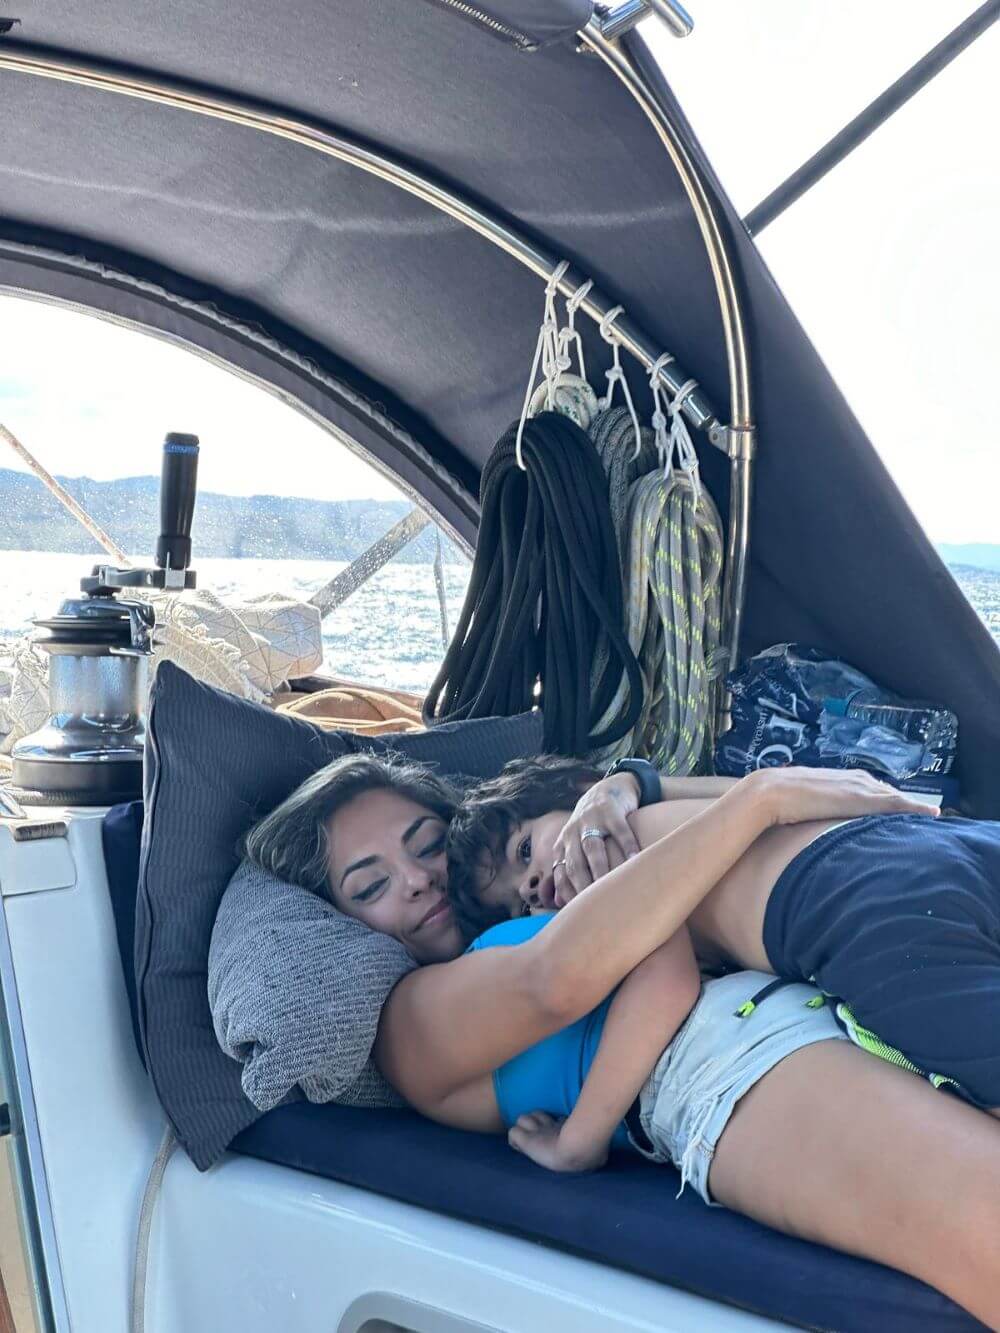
(524, 850)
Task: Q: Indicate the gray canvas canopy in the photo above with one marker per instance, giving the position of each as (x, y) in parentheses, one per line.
(158, 165)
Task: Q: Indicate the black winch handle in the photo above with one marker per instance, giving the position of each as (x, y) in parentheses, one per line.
(178, 481)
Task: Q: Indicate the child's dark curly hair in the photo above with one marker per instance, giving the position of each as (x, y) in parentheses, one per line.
(486, 816)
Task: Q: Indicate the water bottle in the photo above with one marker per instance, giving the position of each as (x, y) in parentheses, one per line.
(831, 679)
(850, 743)
(927, 725)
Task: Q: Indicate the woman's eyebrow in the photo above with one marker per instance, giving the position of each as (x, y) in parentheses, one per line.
(422, 819)
(357, 865)
(370, 860)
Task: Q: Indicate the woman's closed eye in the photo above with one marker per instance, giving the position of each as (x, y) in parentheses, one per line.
(434, 848)
(368, 894)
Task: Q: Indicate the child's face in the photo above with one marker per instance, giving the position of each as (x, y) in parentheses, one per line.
(519, 881)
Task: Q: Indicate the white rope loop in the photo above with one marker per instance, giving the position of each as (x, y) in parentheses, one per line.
(616, 375)
(664, 442)
(550, 328)
(546, 355)
(574, 302)
(681, 440)
(568, 334)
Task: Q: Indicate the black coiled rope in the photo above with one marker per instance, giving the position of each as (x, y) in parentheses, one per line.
(544, 601)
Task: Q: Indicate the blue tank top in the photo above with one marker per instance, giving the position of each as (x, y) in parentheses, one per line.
(549, 1075)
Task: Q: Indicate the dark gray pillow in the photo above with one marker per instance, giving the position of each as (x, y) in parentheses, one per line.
(215, 764)
(296, 990)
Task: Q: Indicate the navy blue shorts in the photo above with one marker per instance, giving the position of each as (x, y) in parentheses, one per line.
(899, 916)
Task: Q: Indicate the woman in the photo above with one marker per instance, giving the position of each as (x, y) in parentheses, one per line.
(824, 1115)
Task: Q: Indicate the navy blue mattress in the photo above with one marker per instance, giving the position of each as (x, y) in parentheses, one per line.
(626, 1215)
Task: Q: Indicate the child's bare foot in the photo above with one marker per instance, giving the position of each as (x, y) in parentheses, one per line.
(539, 1136)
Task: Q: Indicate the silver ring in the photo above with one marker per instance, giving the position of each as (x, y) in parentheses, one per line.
(593, 833)
(557, 864)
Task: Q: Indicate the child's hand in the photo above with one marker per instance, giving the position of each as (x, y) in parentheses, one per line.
(539, 1136)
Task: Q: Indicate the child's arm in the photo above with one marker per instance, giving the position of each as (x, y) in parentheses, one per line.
(648, 1008)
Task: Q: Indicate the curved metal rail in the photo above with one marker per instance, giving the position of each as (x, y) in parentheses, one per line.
(239, 111)
(741, 442)
(736, 440)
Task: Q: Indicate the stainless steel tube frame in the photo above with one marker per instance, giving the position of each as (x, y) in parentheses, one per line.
(239, 111)
(739, 439)
(623, 18)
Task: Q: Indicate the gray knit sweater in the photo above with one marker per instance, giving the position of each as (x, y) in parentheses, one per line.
(296, 989)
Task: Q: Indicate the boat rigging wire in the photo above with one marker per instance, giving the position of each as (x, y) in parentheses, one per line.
(868, 121)
(66, 500)
(369, 562)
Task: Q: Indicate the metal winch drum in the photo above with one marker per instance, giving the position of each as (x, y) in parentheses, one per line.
(89, 750)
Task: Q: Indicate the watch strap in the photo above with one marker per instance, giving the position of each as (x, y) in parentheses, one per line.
(648, 777)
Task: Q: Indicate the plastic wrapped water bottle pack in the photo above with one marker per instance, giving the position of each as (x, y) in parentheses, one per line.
(794, 704)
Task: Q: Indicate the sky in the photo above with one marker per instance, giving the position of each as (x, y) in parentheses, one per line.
(892, 264)
(89, 398)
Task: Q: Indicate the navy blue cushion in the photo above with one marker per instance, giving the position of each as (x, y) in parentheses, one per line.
(121, 830)
(626, 1215)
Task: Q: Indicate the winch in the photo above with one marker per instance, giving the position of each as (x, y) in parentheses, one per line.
(89, 750)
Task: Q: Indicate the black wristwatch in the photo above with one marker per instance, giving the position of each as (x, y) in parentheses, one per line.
(648, 777)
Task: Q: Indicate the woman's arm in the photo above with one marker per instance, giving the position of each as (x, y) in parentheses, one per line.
(607, 806)
(647, 1010)
(447, 1024)
(673, 789)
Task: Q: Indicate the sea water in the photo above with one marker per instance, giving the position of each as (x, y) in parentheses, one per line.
(387, 633)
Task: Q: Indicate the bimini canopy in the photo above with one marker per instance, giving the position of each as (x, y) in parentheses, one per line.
(229, 174)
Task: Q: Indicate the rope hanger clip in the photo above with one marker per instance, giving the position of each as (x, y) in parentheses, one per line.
(546, 357)
(616, 375)
(677, 443)
(563, 391)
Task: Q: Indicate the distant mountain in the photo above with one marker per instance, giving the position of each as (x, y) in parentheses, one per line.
(980, 555)
(266, 527)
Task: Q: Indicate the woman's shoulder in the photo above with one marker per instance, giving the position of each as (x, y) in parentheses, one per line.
(515, 931)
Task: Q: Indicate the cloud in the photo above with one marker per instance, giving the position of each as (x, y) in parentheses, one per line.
(90, 398)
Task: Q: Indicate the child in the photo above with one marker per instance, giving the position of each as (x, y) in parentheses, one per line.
(897, 915)
(592, 1072)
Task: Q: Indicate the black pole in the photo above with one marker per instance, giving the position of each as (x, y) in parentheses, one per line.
(871, 118)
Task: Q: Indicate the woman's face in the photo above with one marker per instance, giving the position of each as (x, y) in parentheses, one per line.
(388, 869)
(520, 881)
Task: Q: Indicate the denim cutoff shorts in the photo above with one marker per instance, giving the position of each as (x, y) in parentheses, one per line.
(715, 1058)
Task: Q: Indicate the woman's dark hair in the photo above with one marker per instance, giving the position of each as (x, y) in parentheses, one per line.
(480, 827)
(293, 841)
